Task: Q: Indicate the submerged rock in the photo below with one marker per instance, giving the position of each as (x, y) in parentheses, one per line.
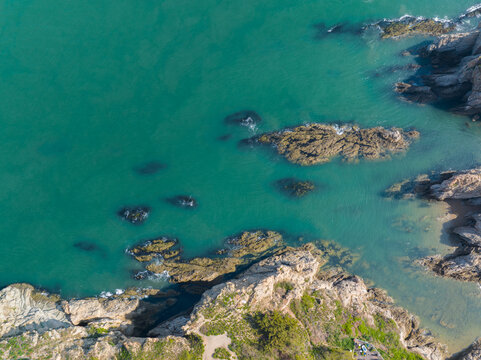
(86, 246)
(149, 168)
(135, 215)
(246, 118)
(183, 201)
(318, 143)
(295, 188)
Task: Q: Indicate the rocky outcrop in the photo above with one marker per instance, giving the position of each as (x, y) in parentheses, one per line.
(160, 257)
(410, 25)
(455, 74)
(295, 188)
(473, 352)
(319, 143)
(135, 215)
(465, 263)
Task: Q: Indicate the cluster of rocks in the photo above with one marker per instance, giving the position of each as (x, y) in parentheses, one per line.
(454, 75)
(135, 215)
(319, 143)
(162, 256)
(465, 263)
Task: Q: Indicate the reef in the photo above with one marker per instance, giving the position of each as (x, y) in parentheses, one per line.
(286, 305)
(451, 186)
(314, 144)
(135, 215)
(294, 188)
(149, 168)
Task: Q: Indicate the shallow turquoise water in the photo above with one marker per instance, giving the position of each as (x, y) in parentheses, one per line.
(92, 89)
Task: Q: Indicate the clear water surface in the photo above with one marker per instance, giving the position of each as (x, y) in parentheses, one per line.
(92, 89)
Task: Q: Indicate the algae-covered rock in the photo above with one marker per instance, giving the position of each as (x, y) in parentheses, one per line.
(163, 260)
(410, 25)
(253, 243)
(154, 248)
(318, 143)
(295, 188)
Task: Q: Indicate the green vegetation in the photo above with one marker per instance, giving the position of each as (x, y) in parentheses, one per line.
(221, 353)
(287, 286)
(97, 331)
(17, 348)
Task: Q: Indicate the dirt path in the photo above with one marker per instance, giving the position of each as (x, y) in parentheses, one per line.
(213, 342)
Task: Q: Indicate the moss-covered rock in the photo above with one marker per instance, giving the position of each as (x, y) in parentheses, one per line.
(295, 188)
(319, 143)
(409, 25)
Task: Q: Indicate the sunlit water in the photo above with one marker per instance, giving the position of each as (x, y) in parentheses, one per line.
(91, 90)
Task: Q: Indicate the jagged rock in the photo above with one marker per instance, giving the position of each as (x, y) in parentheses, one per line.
(410, 25)
(461, 185)
(153, 249)
(456, 75)
(240, 250)
(414, 93)
(246, 118)
(23, 308)
(318, 143)
(464, 264)
(295, 188)
(88, 309)
(135, 215)
(471, 234)
(472, 352)
(183, 201)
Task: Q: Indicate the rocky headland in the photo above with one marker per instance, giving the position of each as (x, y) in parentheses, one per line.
(314, 144)
(460, 189)
(451, 76)
(286, 305)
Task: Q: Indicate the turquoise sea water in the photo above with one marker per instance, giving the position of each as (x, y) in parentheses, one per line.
(92, 89)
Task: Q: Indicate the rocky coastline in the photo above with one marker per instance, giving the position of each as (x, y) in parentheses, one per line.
(323, 308)
(452, 186)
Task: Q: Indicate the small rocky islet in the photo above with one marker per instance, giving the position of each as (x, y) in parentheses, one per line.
(314, 144)
(135, 215)
(183, 201)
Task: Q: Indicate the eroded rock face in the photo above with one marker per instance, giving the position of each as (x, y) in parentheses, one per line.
(465, 263)
(456, 75)
(24, 308)
(319, 143)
